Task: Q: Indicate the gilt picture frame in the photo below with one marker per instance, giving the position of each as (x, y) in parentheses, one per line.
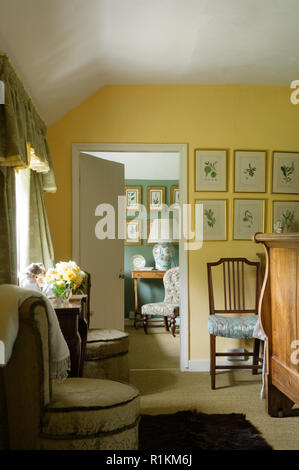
(285, 215)
(249, 218)
(175, 197)
(210, 170)
(133, 198)
(214, 219)
(155, 198)
(250, 171)
(285, 177)
(133, 232)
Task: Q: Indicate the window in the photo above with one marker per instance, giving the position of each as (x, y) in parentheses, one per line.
(22, 218)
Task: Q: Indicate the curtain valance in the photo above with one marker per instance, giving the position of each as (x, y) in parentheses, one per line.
(23, 142)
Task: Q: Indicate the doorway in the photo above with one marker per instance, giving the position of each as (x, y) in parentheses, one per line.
(119, 151)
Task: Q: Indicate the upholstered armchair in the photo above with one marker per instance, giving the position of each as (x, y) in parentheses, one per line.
(170, 307)
(74, 413)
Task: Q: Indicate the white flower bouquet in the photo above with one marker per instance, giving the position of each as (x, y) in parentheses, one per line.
(65, 279)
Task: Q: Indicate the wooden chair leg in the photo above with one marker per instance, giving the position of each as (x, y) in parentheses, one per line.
(172, 325)
(213, 360)
(145, 324)
(256, 352)
(166, 323)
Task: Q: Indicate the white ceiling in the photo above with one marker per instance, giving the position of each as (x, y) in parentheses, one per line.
(145, 165)
(65, 50)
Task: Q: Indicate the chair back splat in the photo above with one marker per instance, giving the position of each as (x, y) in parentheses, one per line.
(234, 287)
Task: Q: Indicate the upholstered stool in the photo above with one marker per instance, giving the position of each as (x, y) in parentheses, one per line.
(91, 414)
(106, 355)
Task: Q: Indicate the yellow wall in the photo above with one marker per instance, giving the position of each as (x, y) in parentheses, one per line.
(231, 117)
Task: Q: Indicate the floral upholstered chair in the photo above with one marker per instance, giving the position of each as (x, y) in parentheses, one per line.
(170, 307)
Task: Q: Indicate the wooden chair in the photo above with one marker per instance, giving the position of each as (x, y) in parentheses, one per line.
(241, 326)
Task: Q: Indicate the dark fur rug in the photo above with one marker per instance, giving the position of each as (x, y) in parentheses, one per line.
(192, 430)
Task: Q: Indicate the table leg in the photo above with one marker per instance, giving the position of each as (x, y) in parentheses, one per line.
(75, 353)
(136, 301)
(83, 328)
(145, 324)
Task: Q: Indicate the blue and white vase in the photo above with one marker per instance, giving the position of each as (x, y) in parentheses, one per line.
(163, 254)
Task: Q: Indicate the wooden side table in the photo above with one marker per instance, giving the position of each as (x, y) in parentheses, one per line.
(74, 329)
(144, 274)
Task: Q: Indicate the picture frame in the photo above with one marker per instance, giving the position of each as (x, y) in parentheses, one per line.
(250, 171)
(175, 197)
(133, 232)
(155, 198)
(214, 219)
(210, 170)
(249, 218)
(286, 213)
(133, 198)
(285, 175)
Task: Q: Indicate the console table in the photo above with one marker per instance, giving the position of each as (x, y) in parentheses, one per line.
(144, 274)
(279, 319)
(74, 329)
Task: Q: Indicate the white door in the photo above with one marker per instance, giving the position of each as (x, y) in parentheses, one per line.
(101, 182)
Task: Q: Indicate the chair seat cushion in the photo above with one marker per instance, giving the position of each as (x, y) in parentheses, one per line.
(103, 343)
(160, 308)
(89, 407)
(232, 327)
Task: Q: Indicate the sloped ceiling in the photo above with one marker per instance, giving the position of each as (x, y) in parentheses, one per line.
(65, 50)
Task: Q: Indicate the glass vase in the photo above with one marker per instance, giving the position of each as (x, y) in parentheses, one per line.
(63, 297)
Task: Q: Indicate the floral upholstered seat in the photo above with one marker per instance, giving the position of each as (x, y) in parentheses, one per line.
(232, 327)
(170, 307)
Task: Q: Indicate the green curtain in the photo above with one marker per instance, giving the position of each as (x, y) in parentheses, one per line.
(21, 126)
(23, 145)
(40, 242)
(35, 238)
(8, 247)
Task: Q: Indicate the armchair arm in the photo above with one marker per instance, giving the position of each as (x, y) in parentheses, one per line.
(27, 376)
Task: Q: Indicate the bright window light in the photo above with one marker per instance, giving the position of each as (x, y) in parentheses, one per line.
(22, 215)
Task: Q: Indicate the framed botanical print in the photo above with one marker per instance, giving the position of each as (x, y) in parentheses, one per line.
(285, 172)
(250, 170)
(133, 232)
(175, 197)
(285, 216)
(214, 219)
(155, 198)
(210, 170)
(133, 198)
(248, 218)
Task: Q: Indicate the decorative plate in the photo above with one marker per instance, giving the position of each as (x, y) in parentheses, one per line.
(138, 261)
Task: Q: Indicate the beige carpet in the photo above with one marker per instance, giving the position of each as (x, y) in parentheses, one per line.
(154, 364)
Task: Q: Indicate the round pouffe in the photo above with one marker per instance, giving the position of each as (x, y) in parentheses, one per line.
(91, 414)
(106, 355)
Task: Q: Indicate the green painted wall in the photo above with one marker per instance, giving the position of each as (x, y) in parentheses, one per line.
(148, 290)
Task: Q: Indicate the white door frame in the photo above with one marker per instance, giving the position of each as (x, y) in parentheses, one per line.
(182, 149)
